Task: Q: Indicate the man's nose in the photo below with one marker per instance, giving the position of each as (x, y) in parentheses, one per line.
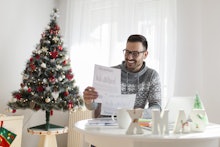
(130, 56)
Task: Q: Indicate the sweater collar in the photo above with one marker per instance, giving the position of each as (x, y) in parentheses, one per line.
(139, 73)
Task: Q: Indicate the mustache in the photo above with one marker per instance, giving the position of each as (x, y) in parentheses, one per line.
(130, 60)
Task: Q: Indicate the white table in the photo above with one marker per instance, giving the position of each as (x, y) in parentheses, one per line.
(112, 136)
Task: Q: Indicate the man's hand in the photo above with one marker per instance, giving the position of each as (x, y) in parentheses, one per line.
(89, 95)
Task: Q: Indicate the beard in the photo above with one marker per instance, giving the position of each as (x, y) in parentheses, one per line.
(133, 65)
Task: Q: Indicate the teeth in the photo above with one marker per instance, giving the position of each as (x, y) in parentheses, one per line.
(130, 61)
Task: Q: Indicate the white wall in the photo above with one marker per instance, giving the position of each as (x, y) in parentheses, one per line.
(211, 60)
(22, 23)
(198, 38)
(189, 51)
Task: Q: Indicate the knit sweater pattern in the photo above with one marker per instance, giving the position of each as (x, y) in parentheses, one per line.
(145, 84)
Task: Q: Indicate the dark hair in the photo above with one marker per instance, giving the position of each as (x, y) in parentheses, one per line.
(138, 38)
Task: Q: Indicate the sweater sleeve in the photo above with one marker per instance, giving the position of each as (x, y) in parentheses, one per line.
(91, 106)
(154, 96)
(96, 107)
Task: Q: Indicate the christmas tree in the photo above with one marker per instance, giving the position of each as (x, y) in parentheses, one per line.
(48, 80)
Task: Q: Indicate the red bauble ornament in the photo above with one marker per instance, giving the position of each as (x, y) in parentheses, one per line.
(60, 48)
(31, 59)
(40, 89)
(33, 67)
(57, 27)
(29, 90)
(37, 56)
(70, 105)
(64, 62)
(69, 76)
(54, 54)
(17, 96)
(52, 79)
(13, 111)
(51, 31)
(66, 93)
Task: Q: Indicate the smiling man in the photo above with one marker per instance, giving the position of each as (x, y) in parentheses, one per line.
(136, 78)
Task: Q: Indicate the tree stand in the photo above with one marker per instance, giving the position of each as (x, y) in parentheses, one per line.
(47, 132)
(47, 126)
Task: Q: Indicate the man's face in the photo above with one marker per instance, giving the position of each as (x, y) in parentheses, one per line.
(134, 62)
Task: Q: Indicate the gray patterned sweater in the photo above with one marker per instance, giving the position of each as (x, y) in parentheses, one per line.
(145, 84)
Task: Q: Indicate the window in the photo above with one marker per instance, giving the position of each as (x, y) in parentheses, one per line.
(99, 29)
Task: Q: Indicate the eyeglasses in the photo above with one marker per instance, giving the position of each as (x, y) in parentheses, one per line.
(134, 54)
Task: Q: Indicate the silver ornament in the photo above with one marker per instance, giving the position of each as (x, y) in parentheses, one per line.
(43, 65)
(55, 95)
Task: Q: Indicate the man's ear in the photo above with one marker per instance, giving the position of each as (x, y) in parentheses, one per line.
(145, 54)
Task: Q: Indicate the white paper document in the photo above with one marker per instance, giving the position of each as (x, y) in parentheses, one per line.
(106, 80)
(111, 102)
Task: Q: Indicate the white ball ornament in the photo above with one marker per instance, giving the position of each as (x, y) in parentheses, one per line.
(60, 78)
(25, 88)
(58, 66)
(45, 81)
(47, 100)
(48, 27)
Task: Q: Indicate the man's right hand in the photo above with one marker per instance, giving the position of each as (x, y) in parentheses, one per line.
(89, 95)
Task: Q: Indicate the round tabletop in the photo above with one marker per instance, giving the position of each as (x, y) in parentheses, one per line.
(52, 131)
(100, 133)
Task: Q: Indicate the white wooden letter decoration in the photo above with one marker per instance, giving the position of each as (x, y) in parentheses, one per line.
(160, 122)
(135, 114)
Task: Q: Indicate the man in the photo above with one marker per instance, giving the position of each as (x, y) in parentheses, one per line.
(136, 78)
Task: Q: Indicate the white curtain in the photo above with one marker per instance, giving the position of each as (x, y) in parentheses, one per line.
(97, 30)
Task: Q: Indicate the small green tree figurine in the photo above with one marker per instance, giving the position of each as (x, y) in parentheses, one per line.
(199, 105)
(48, 81)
